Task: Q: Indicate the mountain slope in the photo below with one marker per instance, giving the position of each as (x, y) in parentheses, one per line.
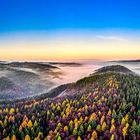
(104, 106)
(26, 78)
(99, 76)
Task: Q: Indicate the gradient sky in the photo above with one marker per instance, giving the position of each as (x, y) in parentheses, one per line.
(69, 29)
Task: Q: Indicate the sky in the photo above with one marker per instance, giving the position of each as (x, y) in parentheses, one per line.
(69, 29)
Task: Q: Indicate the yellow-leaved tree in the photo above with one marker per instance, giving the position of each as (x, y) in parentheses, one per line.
(124, 130)
(109, 113)
(66, 128)
(104, 126)
(112, 128)
(8, 138)
(12, 110)
(30, 124)
(102, 119)
(13, 137)
(79, 138)
(27, 137)
(94, 135)
(112, 137)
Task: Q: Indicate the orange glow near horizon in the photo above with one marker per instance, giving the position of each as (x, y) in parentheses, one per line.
(67, 54)
(100, 47)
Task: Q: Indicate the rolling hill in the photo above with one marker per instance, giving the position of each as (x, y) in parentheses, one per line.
(25, 79)
(102, 106)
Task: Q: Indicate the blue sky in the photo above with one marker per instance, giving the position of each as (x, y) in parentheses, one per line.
(20, 15)
(69, 29)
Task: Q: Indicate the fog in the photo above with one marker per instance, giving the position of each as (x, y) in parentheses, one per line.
(16, 82)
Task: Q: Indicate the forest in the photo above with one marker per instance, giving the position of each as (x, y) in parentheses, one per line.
(109, 109)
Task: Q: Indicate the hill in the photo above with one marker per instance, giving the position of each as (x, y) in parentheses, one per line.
(100, 75)
(24, 79)
(114, 68)
(105, 106)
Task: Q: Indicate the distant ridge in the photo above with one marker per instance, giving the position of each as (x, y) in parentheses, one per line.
(137, 60)
(66, 64)
(29, 65)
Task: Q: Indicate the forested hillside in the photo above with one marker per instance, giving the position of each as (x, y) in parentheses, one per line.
(108, 109)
